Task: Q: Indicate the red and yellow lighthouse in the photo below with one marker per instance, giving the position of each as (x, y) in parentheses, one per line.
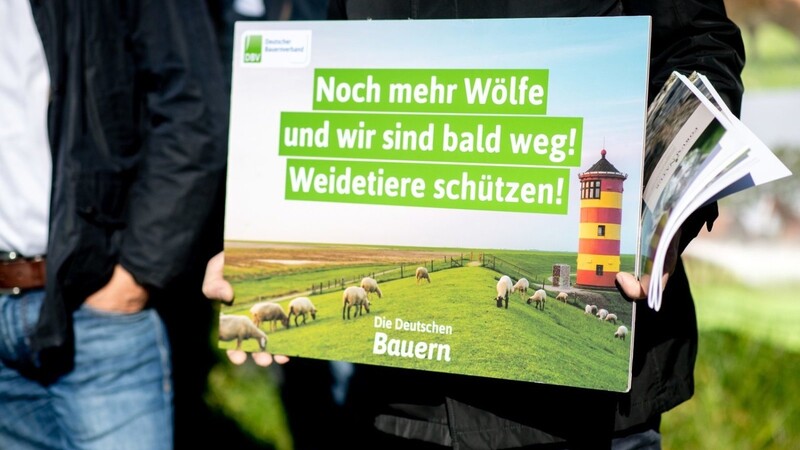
(601, 216)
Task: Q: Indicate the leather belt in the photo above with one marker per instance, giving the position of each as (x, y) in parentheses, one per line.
(18, 273)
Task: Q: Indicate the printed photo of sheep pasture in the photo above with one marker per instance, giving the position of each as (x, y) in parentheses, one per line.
(559, 344)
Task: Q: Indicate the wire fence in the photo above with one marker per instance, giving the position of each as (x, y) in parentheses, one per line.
(514, 271)
(403, 270)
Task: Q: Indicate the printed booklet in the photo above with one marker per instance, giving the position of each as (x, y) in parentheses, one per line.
(697, 151)
(458, 195)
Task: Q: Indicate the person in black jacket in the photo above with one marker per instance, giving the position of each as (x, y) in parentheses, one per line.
(105, 237)
(396, 408)
(432, 409)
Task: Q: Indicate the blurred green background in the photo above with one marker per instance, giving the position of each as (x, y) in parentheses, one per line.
(747, 384)
(748, 367)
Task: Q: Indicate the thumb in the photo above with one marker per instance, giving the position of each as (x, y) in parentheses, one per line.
(215, 287)
(630, 287)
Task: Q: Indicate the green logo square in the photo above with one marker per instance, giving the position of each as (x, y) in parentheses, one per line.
(252, 48)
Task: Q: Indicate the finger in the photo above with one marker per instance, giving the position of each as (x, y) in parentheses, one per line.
(219, 290)
(281, 359)
(262, 359)
(215, 287)
(237, 357)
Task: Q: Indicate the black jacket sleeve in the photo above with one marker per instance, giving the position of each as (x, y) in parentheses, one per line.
(687, 36)
(694, 35)
(183, 160)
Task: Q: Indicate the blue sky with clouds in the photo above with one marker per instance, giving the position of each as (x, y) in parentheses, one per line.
(598, 71)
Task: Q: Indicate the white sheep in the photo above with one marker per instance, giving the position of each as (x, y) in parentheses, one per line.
(521, 286)
(268, 312)
(611, 317)
(562, 296)
(234, 326)
(371, 285)
(539, 297)
(422, 273)
(590, 309)
(354, 296)
(504, 287)
(621, 332)
(301, 306)
(602, 314)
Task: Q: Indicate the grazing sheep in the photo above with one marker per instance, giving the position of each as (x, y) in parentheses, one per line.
(621, 332)
(521, 286)
(354, 296)
(422, 273)
(504, 287)
(301, 306)
(371, 285)
(539, 297)
(562, 296)
(232, 326)
(611, 317)
(590, 309)
(602, 314)
(268, 312)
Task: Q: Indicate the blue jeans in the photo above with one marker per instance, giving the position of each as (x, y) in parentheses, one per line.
(644, 440)
(118, 396)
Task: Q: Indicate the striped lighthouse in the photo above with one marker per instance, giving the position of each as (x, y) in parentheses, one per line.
(601, 216)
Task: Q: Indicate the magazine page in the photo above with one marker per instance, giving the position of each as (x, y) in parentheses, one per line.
(453, 196)
(732, 170)
(764, 166)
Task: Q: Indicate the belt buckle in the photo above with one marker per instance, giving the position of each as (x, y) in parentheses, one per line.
(9, 256)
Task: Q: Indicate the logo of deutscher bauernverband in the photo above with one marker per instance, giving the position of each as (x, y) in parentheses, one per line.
(252, 48)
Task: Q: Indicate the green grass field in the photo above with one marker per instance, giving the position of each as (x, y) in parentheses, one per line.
(746, 376)
(747, 384)
(547, 346)
(773, 59)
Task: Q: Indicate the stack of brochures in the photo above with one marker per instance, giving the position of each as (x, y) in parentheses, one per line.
(697, 151)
